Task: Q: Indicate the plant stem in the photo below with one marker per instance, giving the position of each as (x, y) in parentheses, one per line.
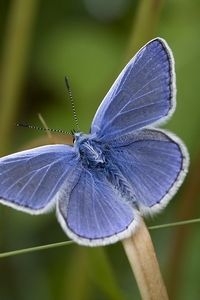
(14, 58)
(141, 255)
(144, 25)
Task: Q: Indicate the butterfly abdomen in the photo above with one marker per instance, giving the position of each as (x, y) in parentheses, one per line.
(115, 177)
(95, 157)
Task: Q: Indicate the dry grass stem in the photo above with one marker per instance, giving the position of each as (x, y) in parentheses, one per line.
(141, 255)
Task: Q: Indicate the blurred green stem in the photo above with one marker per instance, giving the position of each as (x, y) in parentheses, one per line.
(67, 243)
(77, 286)
(189, 206)
(14, 59)
(144, 25)
(103, 275)
(141, 255)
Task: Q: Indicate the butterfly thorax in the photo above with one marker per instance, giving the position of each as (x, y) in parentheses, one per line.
(90, 151)
(95, 155)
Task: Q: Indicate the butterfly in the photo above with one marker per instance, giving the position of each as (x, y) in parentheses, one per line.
(125, 168)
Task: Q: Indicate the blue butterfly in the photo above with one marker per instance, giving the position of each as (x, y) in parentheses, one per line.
(122, 170)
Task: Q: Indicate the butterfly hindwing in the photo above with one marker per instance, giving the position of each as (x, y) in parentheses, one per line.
(30, 180)
(154, 163)
(93, 213)
(143, 94)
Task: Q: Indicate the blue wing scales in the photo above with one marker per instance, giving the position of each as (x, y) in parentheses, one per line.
(154, 164)
(92, 213)
(144, 93)
(30, 180)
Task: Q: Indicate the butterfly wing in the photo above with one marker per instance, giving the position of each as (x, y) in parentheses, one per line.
(92, 213)
(30, 180)
(154, 163)
(143, 94)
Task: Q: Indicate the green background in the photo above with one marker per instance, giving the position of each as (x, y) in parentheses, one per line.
(90, 42)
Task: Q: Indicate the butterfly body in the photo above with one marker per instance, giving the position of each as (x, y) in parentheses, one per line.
(125, 168)
(91, 153)
(97, 156)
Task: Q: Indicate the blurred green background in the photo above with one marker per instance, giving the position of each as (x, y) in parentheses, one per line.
(90, 41)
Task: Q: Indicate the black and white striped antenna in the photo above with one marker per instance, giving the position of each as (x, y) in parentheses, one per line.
(72, 103)
(43, 128)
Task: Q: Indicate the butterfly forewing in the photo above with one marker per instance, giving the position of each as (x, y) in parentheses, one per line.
(143, 93)
(30, 180)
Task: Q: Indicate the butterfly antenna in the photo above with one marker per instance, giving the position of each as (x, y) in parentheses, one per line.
(43, 129)
(72, 103)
